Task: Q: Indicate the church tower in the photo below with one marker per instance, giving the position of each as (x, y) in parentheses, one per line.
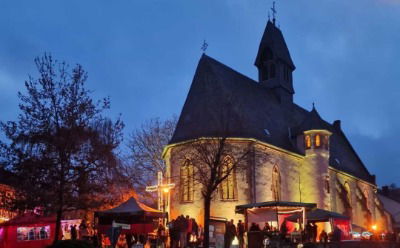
(274, 64)
(313, 136)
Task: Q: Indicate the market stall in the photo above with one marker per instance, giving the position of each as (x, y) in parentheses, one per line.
(274, 213)
(326, 220)
(131, 216)
(27, 231)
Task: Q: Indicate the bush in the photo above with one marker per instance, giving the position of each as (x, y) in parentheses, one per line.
(71, 244)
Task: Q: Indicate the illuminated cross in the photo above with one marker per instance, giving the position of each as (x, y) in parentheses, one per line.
(160, 188)
(273, 12)
(204, 46)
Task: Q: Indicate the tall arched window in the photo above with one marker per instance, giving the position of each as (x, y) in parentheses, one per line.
(327, 185)
(317, 140)
(276, 184)
(308, 141)
(186, 182)
(228, 186)
(347, 187)
(367, 199)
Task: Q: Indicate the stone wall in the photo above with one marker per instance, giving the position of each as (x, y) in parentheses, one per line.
(303, 179)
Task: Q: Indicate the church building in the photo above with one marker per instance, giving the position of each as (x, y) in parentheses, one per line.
(297, 155)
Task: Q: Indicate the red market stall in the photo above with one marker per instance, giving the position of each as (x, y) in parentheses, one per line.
(27, 231)
(132, 216)
(332, 219)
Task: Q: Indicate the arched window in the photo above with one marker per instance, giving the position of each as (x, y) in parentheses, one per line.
(367, 198)
(186, 182)
(276, 184)
(317, 141)
(327, 185)
(308, 141)
(272, 71)
(228, 186)
(286, 73)
(347, 187)
(264, 72)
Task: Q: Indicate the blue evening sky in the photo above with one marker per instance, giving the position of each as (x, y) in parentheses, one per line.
(143, 54)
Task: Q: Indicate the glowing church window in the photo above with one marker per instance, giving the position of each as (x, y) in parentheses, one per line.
(228, 186)
(276, 184)
(317, 140)
(347, 187)
(186, 181)
(308, 141)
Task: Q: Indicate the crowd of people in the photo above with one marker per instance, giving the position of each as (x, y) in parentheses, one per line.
(184, 232)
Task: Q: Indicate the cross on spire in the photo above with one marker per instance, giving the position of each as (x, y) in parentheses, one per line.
(204, 46)
(273, 9)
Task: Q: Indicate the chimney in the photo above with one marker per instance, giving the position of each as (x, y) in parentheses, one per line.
(337, 124)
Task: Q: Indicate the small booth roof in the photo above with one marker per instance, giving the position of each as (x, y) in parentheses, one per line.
(318, 215)
(271, 204)
(132, 207)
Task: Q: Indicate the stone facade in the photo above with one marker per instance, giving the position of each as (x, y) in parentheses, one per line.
(303, 178)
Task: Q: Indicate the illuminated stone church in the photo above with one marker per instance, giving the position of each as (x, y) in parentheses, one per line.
(309, 159)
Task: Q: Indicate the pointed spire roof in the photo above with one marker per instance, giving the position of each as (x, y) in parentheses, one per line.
(273, 38)
(312, 121)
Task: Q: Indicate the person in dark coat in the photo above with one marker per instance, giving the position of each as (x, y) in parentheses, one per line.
(314, 232)
(74, 233)
(230, 233)
(323, 238)
(254, 227)
(284, 230)
(240, 233)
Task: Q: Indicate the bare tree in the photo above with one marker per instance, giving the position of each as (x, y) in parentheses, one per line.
(62, 150)
(213, 161)
(146, 145)
(218, 157)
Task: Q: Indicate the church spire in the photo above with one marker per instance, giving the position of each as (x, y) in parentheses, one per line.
(273, 61)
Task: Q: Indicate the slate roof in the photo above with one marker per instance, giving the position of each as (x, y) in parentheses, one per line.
(223, 102)
(274, 39)
(312, 121)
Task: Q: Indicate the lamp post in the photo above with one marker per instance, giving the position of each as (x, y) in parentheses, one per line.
(161, 189)
(165, 191)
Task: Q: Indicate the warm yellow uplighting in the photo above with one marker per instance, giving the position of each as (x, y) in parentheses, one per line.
(166, 190)
(374, 227)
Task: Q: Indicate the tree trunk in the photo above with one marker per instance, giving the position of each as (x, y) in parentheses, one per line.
(58, 225)
(207, 206)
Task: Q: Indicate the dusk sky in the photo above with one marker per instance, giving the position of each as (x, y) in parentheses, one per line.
(143, 54)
